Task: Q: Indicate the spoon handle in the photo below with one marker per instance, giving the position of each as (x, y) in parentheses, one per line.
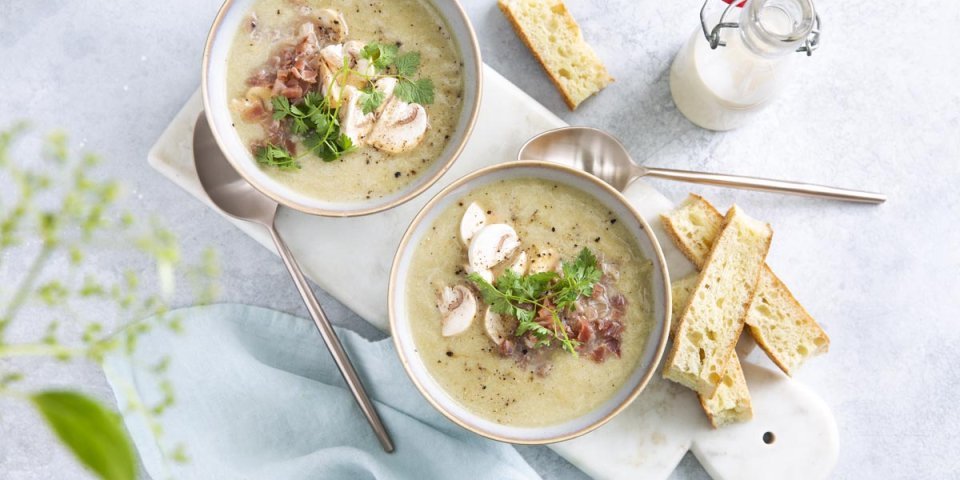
(333, 343)
(767, 185)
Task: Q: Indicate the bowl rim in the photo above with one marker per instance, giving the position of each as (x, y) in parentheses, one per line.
(469, 43)
(660, 259)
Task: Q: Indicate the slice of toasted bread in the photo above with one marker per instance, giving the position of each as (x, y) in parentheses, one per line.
(555, 39)
(779, 324)
(712, 321)
(680, 294)
(731, 403)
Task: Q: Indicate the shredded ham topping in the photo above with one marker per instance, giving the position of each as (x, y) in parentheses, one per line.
(596, 322)
(291, 71)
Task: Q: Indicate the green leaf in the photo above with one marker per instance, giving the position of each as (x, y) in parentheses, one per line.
(527, 296)
(281, 107)
(578, 279)
(321, 120)
(370, 100)
(408, 64)
(419, 91)
(345, 144)
(90, 431)
(315, 100)
(276, 156)
(300, 126)
(381, 55)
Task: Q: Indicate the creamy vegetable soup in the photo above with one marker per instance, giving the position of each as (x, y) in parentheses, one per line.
(529, 302)
(346, 100)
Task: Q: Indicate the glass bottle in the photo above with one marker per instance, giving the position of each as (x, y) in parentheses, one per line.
(721, 88)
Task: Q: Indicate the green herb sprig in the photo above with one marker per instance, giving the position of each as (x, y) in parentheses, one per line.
(387, 61)
(522, 296)
(316, 122)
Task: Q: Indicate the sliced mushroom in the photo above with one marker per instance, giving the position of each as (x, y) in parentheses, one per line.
(249, 110)
(496, 326)
(332, 56)
(329, 87)
(545, 261)
(491, 245)
(260, 93)
(333, 27)
(353, 122)
(361, 65)
(473, 220)
(519, 265)
(309, 43)
(458, 306)
(485, 274)
(385, 86)
(400, 127)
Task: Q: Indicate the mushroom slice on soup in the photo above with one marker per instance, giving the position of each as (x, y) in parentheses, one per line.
(353, 122)
(458, 306)
(401, 127)
(492, 245)
(473, 220)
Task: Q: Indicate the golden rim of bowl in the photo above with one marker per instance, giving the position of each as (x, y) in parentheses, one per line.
(472, 44)
(667, 302)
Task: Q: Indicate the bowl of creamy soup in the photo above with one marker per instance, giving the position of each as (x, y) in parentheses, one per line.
(529, 302)
(341, 108)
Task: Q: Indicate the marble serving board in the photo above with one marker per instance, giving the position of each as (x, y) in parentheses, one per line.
(650, 437)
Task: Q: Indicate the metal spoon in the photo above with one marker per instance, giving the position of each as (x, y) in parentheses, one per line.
(598, 153)
(237, 198)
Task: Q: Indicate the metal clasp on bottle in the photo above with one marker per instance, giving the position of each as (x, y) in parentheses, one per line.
(713, 35)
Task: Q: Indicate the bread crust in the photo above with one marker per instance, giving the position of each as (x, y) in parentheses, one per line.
(777, 288)
(674, 234)
(808, 320)
(704, 387)
(517, 27)
(740, 382)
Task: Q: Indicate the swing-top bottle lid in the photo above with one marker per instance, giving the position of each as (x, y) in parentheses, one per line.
(769, 27)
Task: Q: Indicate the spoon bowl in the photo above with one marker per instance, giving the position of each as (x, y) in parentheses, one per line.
(593, 151)
(225, 187)
(600, 154)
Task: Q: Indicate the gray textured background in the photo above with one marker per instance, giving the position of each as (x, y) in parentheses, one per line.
(878, 107)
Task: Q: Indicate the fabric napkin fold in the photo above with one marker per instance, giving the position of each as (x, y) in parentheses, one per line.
(258, 396)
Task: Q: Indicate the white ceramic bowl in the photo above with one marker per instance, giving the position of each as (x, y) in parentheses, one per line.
(401, 328)
(215, 103)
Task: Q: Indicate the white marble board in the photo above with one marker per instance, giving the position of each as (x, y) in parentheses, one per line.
(649, 438)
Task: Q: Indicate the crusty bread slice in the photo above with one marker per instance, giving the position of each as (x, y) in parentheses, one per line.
(680, 294)
(694, 226)
(731, 403)
(779, 324)
(555, 39)
(712, 321)
(782, 327)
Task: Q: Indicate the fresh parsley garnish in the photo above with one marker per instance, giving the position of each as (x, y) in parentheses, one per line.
(408, 64)
(415, 91)
(524, 296)
(381, 55)
(276, 156)
(388, 62)
(370, 99)
(317, 123)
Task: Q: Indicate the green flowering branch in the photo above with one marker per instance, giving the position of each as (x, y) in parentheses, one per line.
(55, 211)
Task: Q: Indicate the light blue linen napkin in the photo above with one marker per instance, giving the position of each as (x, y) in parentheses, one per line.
(257, 396)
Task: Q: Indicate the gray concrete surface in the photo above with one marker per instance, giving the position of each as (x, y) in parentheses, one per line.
(877, 107)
